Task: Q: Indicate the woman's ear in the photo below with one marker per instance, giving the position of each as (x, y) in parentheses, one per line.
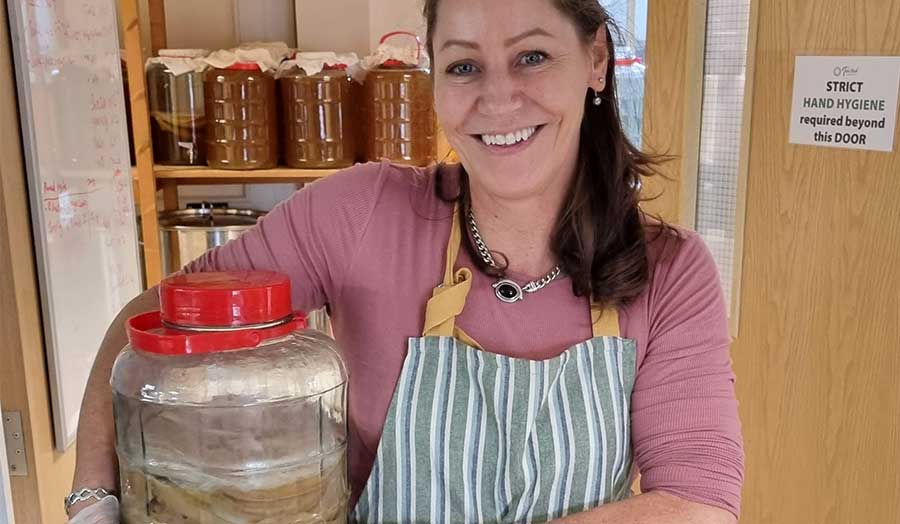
(599, 61)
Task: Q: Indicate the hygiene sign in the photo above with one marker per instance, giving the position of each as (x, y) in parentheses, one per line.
(845, 101)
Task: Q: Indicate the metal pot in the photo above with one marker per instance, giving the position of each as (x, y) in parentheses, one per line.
(188, 233)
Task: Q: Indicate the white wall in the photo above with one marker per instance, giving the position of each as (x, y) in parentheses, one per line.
(354, 25)
(215, 24)
(395, 15)
(333, 25)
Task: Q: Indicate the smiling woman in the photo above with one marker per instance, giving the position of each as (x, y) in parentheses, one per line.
(523, 108)
(520, 338)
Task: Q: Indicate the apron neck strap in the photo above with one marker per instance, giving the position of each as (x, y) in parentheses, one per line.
(453, 245)
(604, 322)
(449, 299)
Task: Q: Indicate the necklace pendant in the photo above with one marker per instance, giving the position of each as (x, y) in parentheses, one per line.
(507, 291)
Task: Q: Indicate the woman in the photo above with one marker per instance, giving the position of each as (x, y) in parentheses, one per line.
(568, 336)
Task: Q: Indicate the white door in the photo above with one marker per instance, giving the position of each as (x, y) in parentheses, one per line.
(6, 510)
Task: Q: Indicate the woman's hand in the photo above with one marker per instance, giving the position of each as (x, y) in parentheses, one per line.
(95, 465)
(656, 507)
(106, 511)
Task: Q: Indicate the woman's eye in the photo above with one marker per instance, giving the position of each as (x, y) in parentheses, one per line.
(461, 69)
(532, 58)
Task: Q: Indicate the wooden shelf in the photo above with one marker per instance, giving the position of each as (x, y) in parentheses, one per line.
(204, 175)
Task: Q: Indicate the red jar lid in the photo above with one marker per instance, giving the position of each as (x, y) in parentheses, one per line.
(244, 66)
(212, 312)
(226, 299)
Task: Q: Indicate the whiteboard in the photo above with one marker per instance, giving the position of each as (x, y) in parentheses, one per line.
(72, 110)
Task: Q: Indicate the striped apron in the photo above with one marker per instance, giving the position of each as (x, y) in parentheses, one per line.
(476, 437)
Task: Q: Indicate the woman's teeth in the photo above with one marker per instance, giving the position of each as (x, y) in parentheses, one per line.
(509, 138)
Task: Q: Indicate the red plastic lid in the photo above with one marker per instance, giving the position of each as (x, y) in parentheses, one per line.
(208, 312)
(244, 66)
(396, 64)
(225, 299)
(147, 332)
(335, 67)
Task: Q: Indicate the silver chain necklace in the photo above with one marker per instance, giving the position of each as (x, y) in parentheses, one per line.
(508, 290)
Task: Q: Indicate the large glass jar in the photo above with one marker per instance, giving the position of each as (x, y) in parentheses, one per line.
(242, 117)
(175, 98)
(321, 118)
(399, 112)
(228, 410)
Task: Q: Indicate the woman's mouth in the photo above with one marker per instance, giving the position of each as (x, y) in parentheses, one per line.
(511, 141)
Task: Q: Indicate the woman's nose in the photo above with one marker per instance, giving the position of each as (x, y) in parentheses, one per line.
(501, 95)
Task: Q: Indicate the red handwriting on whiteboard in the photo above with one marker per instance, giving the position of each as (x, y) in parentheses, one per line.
(104, 161)
(61, 28)
(55, 187)
(102, 103)
(58, 199)
(105, 121)
(49, 62)
(67, 196)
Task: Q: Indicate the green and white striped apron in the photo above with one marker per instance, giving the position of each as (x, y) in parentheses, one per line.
(476, 437)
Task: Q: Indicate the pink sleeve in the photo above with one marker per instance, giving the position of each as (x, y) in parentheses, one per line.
(312, 236)
(686, 431)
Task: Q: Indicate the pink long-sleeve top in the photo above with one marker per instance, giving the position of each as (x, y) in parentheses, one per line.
(369, 242)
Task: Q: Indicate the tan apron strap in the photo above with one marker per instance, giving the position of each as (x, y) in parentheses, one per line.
(448, 300)
(605, 322)
(445, 304)
(453, 244)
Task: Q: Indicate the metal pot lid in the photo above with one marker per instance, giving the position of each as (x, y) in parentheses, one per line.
(207, 218)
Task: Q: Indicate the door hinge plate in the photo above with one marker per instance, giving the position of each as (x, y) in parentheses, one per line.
(15, 444)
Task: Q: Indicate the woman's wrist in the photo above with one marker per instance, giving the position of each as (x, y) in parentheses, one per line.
(82, 497)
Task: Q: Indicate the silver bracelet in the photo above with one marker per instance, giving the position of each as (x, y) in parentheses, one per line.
(85, 494)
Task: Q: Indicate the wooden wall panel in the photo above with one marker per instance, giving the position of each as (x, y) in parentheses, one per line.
(817, 357)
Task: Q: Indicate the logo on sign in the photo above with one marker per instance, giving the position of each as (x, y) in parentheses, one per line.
(844, 71)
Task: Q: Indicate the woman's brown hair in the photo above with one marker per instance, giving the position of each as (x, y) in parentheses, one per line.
(599, 237)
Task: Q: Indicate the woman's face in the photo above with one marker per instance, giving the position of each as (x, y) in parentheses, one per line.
(510, 80)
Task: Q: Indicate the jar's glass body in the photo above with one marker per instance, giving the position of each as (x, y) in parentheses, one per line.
(242, 119)
(177, 116)
(321, 119)
(233, 436)
(399, 116)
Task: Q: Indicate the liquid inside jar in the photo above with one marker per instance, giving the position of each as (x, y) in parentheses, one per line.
(320, 119)
(312, 497)
(242, 118)
(247, 464)
(399, 116)
(177, 116)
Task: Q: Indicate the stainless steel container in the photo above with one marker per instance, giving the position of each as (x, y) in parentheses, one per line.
(188, 233)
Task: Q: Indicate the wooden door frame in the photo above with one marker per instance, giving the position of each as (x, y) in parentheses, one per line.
(673, 96)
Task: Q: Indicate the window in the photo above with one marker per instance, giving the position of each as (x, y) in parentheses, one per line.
(631, 43)
(722, 135)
